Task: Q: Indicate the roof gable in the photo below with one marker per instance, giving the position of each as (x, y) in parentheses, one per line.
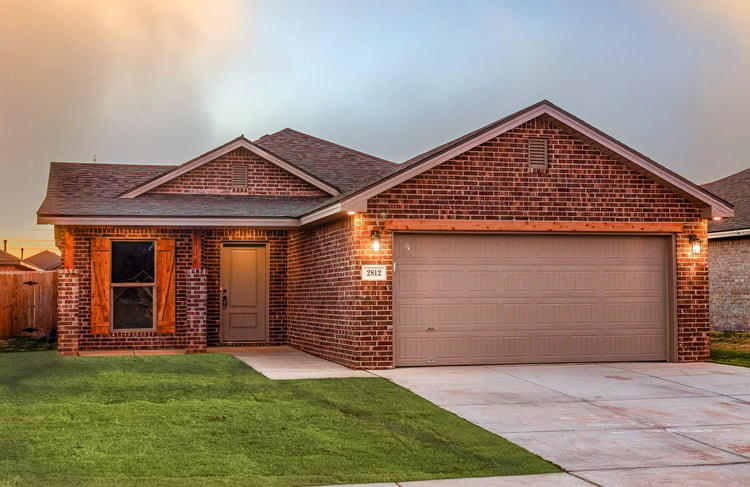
(715, 207)
(239, 172)
(238, 143)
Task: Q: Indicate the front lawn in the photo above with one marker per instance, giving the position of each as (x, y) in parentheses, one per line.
(211, 420)
(731, 348)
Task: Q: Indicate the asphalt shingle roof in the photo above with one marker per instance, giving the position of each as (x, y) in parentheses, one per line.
(92, 189)
(736, 190)
(339, 166)
(87, 189)
(46, 260)
(8, 259)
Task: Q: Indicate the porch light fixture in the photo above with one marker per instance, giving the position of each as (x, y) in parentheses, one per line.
(695, 243)
(375, 240)
(351, 213)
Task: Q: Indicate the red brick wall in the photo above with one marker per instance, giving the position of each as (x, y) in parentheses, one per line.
(212, 238)
(264, 178)
(729, 271)
(692, 295)
(322, 297)
(67, 312)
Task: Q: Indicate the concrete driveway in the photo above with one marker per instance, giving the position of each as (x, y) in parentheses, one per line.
(625, 424)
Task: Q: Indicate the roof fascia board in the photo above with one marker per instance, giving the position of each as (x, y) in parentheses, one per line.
(169, 221)
(742, 232)
(322, 213)
(356, 205)
(219, 151)
(31, 267)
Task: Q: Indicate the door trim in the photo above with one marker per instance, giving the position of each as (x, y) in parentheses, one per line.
(246, 244)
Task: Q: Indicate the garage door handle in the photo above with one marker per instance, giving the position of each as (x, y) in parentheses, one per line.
(430, 328)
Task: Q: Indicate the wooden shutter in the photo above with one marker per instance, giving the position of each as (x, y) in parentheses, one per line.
(165, 286)
(101, 274)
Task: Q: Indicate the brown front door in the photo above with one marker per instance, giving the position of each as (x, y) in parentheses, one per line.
(243, 292)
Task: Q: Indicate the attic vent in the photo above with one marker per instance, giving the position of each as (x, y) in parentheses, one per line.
(239, 177)
(538, 153)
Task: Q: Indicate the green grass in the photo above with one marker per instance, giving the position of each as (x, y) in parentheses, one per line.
(731, 348)
(197, 420)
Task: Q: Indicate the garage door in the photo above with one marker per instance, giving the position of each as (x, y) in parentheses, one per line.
(498, 299)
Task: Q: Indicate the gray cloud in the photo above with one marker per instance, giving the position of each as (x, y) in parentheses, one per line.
(124, 79)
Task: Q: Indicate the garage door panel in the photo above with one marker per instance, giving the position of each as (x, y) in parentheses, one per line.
(467, 299)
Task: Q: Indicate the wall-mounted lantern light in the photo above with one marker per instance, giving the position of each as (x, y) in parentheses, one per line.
(375, 240)
(695, 243)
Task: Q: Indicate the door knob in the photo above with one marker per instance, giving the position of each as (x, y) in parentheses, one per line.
(224, 299)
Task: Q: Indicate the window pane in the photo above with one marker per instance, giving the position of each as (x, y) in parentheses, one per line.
(132, 261)
(133, 307)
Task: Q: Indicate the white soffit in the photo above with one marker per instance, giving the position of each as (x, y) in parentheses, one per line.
(743, 232)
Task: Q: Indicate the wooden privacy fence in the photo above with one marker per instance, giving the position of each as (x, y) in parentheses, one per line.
(27, 300)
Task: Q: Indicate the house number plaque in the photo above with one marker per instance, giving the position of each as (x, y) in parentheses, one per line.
(373, 273)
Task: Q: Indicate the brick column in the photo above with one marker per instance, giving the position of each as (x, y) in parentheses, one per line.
(197, 296)
(67, 312)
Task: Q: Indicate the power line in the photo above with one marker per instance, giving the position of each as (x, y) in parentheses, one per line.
(28, 240)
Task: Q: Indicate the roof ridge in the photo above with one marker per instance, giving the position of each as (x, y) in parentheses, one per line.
(328, 142)
(111, 164)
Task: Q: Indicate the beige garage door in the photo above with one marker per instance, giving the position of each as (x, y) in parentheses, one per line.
(498, 299)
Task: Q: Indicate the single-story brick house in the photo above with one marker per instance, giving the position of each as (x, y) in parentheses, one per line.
(537, 238)
(729, 256)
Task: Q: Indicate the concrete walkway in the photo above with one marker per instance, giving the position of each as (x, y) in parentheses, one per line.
(609, 425)
(287, 363)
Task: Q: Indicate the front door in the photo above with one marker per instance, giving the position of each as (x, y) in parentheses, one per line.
(243, 292)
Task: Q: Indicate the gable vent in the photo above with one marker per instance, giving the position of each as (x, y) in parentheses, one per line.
(538, 155)
(239, 177)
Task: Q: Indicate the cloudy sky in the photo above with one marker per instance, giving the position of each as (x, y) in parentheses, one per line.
(161, 81)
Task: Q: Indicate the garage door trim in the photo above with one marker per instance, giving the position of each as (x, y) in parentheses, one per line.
(668, 272)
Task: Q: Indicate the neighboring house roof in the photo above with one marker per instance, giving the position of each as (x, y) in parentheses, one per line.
(736, 190)
(7, 260)
(116, 193)
(49, 261)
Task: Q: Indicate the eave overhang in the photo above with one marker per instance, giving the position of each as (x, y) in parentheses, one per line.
(169, 221)
(741, 232)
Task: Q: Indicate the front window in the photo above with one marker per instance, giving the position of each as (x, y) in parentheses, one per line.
(133, 283)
